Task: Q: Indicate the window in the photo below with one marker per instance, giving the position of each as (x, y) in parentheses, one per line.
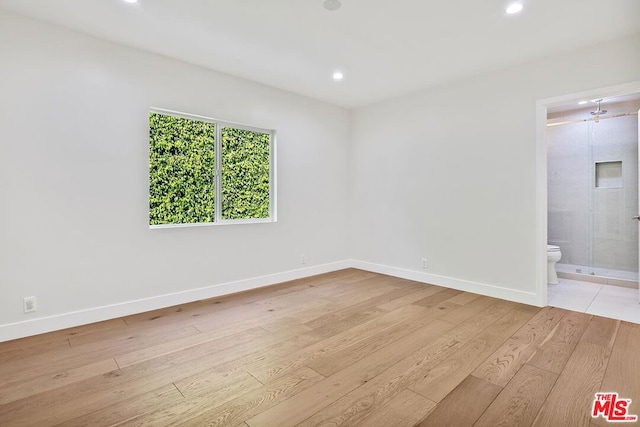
(204, 171)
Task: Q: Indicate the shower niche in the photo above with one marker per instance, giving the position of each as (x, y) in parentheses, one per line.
(608, 174)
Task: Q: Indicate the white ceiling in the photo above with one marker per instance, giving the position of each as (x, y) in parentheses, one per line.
(384, 47)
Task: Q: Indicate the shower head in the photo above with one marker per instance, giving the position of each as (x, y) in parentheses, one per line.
(598, 111)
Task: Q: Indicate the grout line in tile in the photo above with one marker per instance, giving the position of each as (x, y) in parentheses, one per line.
(591, 302)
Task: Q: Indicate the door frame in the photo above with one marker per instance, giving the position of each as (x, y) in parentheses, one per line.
(541, 170)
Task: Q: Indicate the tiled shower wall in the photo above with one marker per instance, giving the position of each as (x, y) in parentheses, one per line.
(593, 225)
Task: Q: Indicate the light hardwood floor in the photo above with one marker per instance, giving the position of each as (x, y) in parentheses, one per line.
(344, 348)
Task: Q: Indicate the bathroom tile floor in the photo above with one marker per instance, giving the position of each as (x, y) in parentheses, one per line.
(603, 300)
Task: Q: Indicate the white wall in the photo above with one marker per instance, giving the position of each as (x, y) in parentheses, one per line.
(74, 177)
(449, 173)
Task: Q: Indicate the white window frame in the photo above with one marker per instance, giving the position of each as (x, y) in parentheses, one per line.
(220, 124)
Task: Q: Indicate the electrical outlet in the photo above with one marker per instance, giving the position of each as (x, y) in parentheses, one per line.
(30, 305)
(302, 260)
(424, 263)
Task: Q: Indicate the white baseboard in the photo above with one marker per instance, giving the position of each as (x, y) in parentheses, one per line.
(42, 325)
(530, 298)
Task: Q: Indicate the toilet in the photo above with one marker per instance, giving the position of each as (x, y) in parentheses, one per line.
(553, 256)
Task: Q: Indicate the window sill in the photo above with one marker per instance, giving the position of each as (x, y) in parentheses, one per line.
(214, 224)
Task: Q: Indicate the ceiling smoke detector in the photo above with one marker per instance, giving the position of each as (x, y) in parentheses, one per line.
(332, 4)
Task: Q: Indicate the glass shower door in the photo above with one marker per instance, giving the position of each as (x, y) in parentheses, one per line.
(613, 242)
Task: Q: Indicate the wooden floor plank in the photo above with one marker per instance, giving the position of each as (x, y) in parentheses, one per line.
(468, 310)
(105, 338)
(365, 290)
(358, 404)
(346, 320)
(200, 342)
(59, 361)
(418, 295)
(267, 354)
(268, 372)
(519, 402)
(453, 370)
(552, 354)
(286, 324)
(254, 315)
(570, 400)
(169, 346)
(329, 364)
(22, 389)
(502, 365)
(9, 352)
(216, 317)
(131, 339)
(307, 312)
(464, 298)
(404, 410)
(121, 412)
(601, 331)
(206, 382)
(623, 370)
(174, 414)
(365, 306)
(471, 327)
(437, 298)
(441, 309)
(464, 405)
(64, 334)
(254, 402)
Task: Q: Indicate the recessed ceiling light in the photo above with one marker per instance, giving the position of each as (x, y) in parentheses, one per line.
(131, 1)
(582, 102)
(337, 76)
(514, 8)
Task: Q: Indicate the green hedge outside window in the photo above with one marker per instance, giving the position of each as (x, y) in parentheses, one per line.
(182, 171)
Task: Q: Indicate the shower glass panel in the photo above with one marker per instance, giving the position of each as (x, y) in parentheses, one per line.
(592, 194)
(614, 246)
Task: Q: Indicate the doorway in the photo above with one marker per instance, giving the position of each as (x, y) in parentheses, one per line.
(587, 195)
